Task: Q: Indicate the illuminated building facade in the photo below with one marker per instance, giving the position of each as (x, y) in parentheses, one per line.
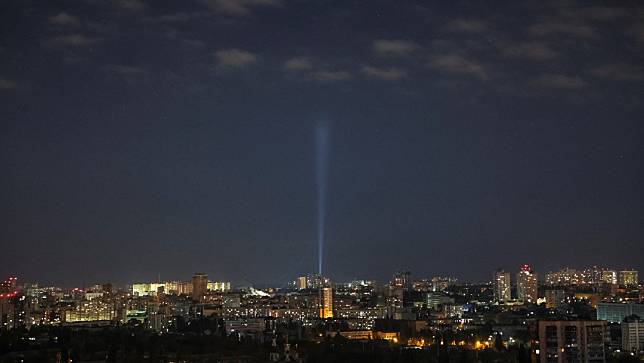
(609, 277)
(90, 310)
(502, 286)
(326, 302)
(527, 285)
(628, 278)
(218, 286)
(301, 283)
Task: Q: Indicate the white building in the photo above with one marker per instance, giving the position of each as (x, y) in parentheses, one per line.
(633, 334)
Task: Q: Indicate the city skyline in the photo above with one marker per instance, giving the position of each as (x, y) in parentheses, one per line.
(155, 137)
(512, 280)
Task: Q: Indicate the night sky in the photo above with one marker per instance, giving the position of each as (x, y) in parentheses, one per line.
(140, 138)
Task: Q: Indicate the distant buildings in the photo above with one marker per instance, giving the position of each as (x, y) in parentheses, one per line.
(527, 285)
(176, 288)
(616, 313)
(555, 299)
(592, 276)
(502, 286)
(90, 310)
(570, 341)
(440, 283)
(218, 286)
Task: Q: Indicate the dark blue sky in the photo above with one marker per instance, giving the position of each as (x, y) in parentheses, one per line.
(140, 138)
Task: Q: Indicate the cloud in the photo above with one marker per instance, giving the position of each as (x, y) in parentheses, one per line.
(594, 13)
(235, 58)
(239, 7)
(562, 28)
(385, 74)
(169, 18)
(125, 73)
(298, 64)
(6, 84)
(560, 81)
(618, 72)
(538, 51)
(180, 17)
(125, 70)
(132, 5)
(466, 26)
(76, 40)
(388, 47)
(637, 32)
(331, 76)
(64, 19)
(457, 64)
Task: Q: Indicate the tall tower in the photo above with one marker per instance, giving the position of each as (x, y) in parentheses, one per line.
(326, 302)
(527, 285)
(502, 285)
(199, 286)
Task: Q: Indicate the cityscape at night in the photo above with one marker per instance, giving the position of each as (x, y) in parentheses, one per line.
(591, 313)
(241, 181)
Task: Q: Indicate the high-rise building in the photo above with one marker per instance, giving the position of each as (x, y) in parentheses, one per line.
(184, 287)
(564, 277)
(570, 341)
(301, 283)
(326, 302)
(609, 277)
(633, 334)
(399, 284)
(527, 285)
(7, 310)
(402, 280)
(628, 278)
(555, 299)
(199, 286)
(502, 284)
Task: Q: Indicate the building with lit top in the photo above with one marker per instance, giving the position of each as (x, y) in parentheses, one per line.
(527, 285)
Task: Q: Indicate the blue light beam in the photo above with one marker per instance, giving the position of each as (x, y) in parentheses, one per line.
(322, 163)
